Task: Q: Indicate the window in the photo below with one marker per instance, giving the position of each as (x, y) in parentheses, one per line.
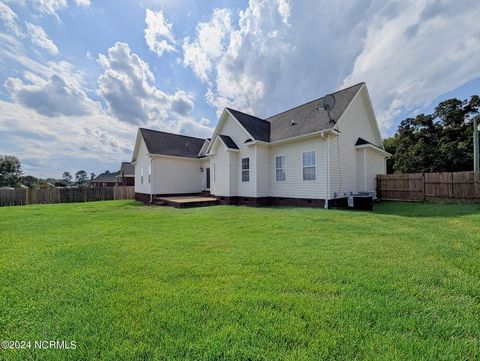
(245, 169)
(280, 175)
(149, 174)
(141, 175)
(309, 166)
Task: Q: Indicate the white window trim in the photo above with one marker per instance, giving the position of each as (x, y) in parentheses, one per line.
(141, 175)
(316, 166)
(244, 170)
(149, 174)
(284, 167)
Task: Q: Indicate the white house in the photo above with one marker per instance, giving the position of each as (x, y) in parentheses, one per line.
(303, 156)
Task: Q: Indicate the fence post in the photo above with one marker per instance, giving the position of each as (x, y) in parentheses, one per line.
(423, 187)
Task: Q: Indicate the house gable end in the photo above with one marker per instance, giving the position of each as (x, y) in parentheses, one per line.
(359, 114)
(239, 130)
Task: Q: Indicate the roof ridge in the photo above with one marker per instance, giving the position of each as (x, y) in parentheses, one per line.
(178, 135)
(314, 100)
(250, 115)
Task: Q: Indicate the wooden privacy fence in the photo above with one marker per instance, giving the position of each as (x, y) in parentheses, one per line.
(24, 196)
(447, 186)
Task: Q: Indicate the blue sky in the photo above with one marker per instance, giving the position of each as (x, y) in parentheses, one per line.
(78, 77)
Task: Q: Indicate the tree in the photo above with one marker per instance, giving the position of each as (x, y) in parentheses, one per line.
(92, 176)
(67, 177)
(81, 177)
(10, 171)
(437, 142)
(29, 181)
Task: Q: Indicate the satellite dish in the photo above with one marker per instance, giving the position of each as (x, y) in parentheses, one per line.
(328, 102)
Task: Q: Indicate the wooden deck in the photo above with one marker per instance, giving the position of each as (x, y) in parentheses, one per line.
(186, 201)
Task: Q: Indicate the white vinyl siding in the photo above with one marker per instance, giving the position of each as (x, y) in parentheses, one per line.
(245, 169)
(280, 174)
(141, 163)
(356, 122)
(221, 169)
(309, 166)
(371, 164)
(149, 174)
(176, 175)
(294, 186)
(228, 163)
(262, 165)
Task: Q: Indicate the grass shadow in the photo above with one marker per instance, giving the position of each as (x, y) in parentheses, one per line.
(426, 209)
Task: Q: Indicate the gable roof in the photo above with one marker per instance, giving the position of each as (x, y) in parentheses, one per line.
(361, 143)
(258, 128)
(106, 177)
(229, 143)
(177, 145)
(310, 117)
(127, 168)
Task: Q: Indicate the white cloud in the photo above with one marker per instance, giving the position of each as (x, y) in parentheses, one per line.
(158, 33)
(284, 9)
(239, 63)
(40, 38)
(411, 57)
(9, 19)
(281, 54)
(48, 7)
(52, 97)
(209, 44)
(48, 147)
(82, 2)
(52, 7)
(127, 85)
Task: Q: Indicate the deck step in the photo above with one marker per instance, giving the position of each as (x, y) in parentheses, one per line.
(187, 201)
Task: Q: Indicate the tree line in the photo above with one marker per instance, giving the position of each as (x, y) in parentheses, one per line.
(438, 142)
(12, 175)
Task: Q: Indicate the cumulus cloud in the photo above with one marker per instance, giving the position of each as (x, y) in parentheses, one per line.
(52, 97)
(281, 54)
(10, 20)
(128, 87)
(40, 38)
(209, 44)
(47, 148)
(412, 56)
(158, 33)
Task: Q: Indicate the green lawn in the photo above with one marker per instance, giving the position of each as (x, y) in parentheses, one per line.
(127, 281)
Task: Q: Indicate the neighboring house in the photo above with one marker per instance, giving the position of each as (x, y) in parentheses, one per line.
(126, 176)
(106, 179)
(303, 156)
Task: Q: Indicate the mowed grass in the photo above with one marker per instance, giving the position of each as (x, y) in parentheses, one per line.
(127, 281)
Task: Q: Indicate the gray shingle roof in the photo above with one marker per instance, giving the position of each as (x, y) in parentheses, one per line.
(163, 143)
(128, 169)
(228, 141)
(106, 177)
(361, 141)
(310, 117)
(258, 128)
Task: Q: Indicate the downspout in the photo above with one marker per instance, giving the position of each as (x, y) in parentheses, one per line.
(151, 180)
(327, 168)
